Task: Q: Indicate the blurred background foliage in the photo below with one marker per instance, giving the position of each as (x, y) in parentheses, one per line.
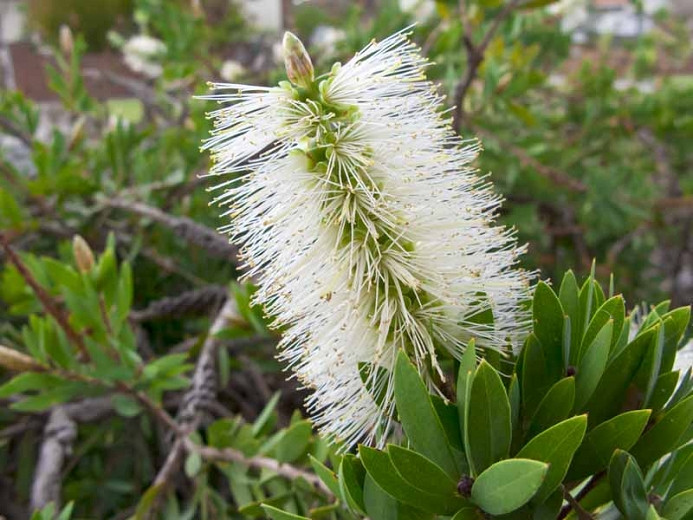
(587, 135)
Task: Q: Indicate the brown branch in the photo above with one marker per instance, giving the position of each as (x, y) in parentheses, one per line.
(48, 302)
(573, 501)
(234, 456)
(582, 514)
(59, 435)
(189, 230)
(557, 177)
(197, 301)
(202, 391)
(11, 129)
(475, 56)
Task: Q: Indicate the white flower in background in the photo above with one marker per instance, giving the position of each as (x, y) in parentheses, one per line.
(325, 39)
(420, 9)
(231, 70)
(142, 53)
(365, 228)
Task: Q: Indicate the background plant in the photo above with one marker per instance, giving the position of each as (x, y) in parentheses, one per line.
(155, 384)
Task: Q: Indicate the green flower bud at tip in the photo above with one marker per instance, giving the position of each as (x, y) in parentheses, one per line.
(299, 67)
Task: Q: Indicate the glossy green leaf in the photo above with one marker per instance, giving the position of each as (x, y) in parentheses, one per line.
(466, 370)
(351, 477)
(379, 466)
(469, 513)
(379, 505)
(556, 406)
(627, 486)
(675, 325)
(535, 379)
(556, 447)
(620, 432)
(607, 400)
(489, 428)
(569, 295)
(418, 417)
(278, 514)
(508, 485)
(664, 436)
(328, 476)
(547, 315)
(663, 390)
(679, 507)
(592, 365)
(421, 472)
(294, 442)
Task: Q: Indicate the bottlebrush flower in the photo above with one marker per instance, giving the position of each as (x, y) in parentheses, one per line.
(365, 228)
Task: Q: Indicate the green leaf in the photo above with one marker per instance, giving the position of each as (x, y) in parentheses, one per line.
(556, 406)
(620, 432)
(534, 377)
(421, 472)
(379, 505)
(125, 405)
(28, 381)
(489, 428)
(550, 508)
(469, 513)
(467, 369)
(556, 447)
(508, 485)
(328, 476)
(278, 514)
(569, 295)
(628, 486)
(664, 388)
(664, 436)
(675, 325)
(683, 478)
(193, 464)
(294, 442)
(380, 467)
(607, 400)
(547, 314)
(592, 365)
(613, 309)
(351, 477)
(418, 417)
(265, 419)
(679, 507)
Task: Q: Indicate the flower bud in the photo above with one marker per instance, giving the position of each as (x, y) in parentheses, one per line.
(83, 254)
(299, 67)
(67, 43)
(18, 362)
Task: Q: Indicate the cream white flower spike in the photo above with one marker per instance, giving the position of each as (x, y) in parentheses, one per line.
(365, 227)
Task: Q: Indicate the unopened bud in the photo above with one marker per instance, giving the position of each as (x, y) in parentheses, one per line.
(67, 43)
(299, 67)
(84, 257)
(18, 362)
(197, 9)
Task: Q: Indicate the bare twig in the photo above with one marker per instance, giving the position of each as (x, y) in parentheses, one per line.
(48, 302)
(557, 177)
(575, 505)
(284, 470)
(187, 229)
(197, 301)
(10, 128)
(59, 434)
(202, 391)
(475, 55)
(574, 502)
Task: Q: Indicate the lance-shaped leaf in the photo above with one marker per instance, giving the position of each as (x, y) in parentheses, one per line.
(488, 424)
